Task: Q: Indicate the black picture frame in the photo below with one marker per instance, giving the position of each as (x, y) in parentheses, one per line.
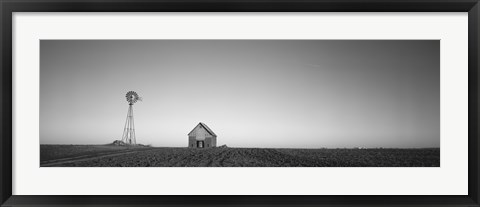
(7, 7)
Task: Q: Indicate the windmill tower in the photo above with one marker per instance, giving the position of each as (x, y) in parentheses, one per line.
(128, 136)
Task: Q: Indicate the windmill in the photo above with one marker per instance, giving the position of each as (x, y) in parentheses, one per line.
(128, 136)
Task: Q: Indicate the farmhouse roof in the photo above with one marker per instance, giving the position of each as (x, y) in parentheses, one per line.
(206, 128)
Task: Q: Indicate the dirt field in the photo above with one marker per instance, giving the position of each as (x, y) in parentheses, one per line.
(118, 156)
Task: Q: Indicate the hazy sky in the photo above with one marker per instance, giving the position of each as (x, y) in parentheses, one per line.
(251, 93)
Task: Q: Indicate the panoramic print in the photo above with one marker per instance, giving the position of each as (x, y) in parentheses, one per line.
(239, 103)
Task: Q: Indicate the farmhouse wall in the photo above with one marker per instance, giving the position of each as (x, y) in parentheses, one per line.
(212, 141)
(199, 132)
(208, 142)
(192, 142)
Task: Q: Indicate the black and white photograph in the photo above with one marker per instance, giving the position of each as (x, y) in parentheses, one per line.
(239, 103)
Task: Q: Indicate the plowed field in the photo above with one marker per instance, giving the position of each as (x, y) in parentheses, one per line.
(117, 156)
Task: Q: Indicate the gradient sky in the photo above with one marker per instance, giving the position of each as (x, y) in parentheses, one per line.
(251, 93)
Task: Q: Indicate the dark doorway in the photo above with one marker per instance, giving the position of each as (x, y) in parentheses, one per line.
(200, 144)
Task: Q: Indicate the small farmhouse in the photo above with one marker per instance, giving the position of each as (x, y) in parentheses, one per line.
(202, 137)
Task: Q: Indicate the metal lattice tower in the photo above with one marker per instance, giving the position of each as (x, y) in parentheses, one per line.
(128, 136)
